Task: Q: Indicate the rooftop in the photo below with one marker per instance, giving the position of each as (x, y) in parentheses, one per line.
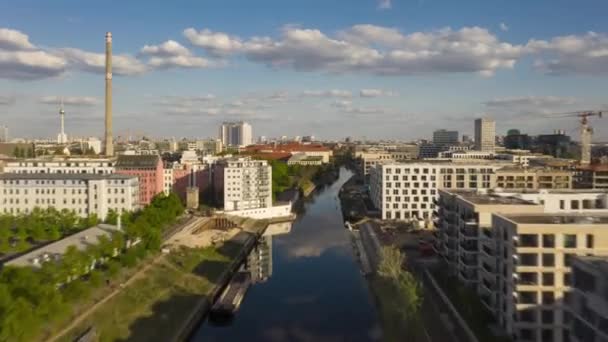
(147, 161)
(552, 218)
(56, 249)
(478, 198)
(62, 176)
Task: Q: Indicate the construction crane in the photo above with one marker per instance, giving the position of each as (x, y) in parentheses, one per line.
(586, 131)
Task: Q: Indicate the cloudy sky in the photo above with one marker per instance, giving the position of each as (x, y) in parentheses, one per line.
(364, 68)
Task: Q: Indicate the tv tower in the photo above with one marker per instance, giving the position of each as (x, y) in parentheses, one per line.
(108, 144)
(62, 138)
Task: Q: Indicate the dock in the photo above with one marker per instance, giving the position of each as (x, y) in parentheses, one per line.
(232, 297)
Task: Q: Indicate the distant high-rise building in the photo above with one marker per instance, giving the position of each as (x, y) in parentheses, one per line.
(485, 134)
(308, 138)
(236, 134)
(466, 138)
(516, 140)
(444, 137)
(4, 133)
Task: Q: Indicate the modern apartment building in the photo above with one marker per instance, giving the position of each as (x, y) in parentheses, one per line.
(149, 170)
(592, 177)
(485, 134)
(236, 134)
(84, 194)
(444, 137)
(60, 165)
(533, 178)
(460, 218)
(408, 190)
(242, 183)
(588, 302)
(527, 278)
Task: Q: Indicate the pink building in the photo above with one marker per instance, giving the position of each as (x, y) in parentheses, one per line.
(149, 170)
(187, 175)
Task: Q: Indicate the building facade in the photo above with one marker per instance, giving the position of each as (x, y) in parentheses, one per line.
(149, 171)
(588, 303)
(485, 134)
(242, 183)
(236, 134)
(84, 194)
(533, 178)
(527, 279)
(444, 137)
(60, 165)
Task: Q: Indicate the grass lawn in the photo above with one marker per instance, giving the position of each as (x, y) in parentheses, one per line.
(155, 305)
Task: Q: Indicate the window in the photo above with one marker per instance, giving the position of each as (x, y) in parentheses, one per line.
(528, 240)
(562, 204)
(527, 297)
(567, 279)
(547, 317)
(526, 334)
(548, 240)
(548, 279)
(548, 259)
(589, 241)
(574, 204)
(569, 241)
(548, 297)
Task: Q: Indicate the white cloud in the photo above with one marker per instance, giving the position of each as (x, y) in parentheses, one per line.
(30, 65)
(579, 54)
(169, 48)
(384, 4)
(504, 27)
(7, 100)
(70, 100)
(535, 101)
(327, 93)
(14, 40)
(370, 49)
(342, 104)
(172, 54)
(376, 93)
(95, 62)
(216, 43)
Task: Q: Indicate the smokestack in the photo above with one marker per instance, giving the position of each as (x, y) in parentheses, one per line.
(109, 145)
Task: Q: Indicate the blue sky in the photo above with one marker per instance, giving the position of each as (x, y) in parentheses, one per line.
(364, 68)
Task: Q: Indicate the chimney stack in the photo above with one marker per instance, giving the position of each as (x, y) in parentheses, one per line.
(109, 145)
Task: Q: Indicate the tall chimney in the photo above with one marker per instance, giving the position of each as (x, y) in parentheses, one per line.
(109, 145)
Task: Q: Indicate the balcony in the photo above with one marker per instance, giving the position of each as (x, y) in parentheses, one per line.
(488, 302)
(468, 231)
(469, 246)
(468, 275)
(468, 260)
(487, 267)
(487, 233)
(487, 250)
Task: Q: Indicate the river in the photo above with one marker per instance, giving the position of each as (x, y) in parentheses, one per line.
(311, 289)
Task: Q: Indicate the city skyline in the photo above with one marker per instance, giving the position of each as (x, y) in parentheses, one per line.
(377, 71)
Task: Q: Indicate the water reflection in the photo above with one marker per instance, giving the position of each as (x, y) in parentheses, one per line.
(308, 285)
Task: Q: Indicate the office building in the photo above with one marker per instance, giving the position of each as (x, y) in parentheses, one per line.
(485, 134)
(588, 302)
(527, 278)
(84, 194)
(148, 169)
(557, 144)
(517, 141)
(236, 134)
(444, 137)
(242, 183)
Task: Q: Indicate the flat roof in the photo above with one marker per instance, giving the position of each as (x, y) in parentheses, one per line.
(63, 176)
(489, 199)
(54, 250)
(552, 218)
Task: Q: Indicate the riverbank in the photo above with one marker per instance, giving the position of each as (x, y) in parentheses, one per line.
(172, 295)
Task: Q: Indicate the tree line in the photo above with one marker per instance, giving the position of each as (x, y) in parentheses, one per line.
(33, 301)
(19, 233)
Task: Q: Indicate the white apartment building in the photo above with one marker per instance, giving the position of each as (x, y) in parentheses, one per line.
(527, 277)
(588, 303)
(167, 180)
(60, 165)
(236, 134)
(408, 190)
(485, 134)
(243, 183)
(82, 193)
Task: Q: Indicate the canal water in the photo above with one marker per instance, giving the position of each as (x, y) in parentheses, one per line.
(311, 289)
